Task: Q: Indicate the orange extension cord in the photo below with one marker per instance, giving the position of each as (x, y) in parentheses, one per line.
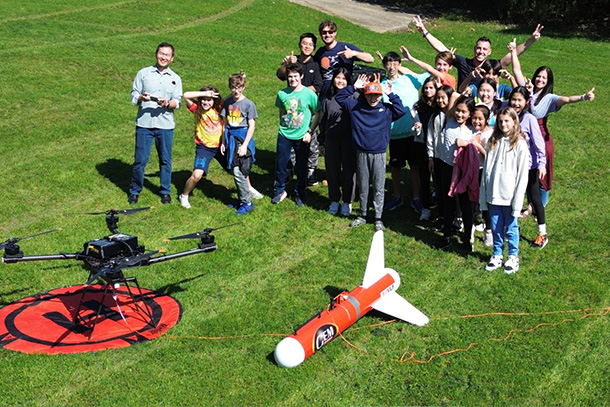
(588, 312)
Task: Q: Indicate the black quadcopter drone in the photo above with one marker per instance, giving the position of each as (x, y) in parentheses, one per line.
(106, 258)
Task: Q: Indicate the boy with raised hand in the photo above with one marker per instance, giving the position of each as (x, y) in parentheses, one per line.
(298, 106)
(371, 124)
(402, 135)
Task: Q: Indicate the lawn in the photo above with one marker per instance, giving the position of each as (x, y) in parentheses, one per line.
(538, 337)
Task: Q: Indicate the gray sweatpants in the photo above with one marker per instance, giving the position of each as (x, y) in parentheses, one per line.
(370, 170)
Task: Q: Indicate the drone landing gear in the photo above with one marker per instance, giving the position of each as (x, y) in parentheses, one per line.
(113, 284)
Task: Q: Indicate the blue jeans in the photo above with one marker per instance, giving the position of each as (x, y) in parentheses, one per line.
(163, 139)
(301, 149)
(544, 195)
(502, 217)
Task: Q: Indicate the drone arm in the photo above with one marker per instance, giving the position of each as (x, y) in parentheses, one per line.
(203, 248)
(7, 258)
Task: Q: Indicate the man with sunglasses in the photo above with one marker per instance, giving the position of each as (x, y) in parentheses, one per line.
(335, 54)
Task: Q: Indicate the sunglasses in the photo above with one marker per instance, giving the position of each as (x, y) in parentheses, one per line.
(327, 32)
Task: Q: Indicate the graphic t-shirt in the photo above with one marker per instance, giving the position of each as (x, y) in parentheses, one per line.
(296, 110)
(208, 127)
(238, 113)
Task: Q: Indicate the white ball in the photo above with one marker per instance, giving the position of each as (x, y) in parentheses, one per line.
(289, 353)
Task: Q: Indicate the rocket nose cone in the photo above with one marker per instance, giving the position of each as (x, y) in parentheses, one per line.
(289, 353)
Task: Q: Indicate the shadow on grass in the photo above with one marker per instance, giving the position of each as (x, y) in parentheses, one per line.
(176, 287)
(8, 293)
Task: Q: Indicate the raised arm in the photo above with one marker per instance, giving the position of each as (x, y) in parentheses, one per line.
(288, 59)
(423, 65)
(506, 59)
(432, 40)
(512, 47)
(190, 96)
(564, 100)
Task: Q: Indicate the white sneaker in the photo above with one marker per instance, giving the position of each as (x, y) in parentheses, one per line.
(346, 209)
(489, 239)
(255, 194)
(425, 214)
(333, 208)
(495, 262)
(512, 265)
(184, 201)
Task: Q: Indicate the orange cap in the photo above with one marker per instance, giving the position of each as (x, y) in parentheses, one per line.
(373, 88)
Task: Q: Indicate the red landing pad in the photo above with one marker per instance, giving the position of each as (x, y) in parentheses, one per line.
(44, 323)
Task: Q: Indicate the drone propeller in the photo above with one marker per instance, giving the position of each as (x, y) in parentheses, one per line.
(196, 235)
(13, 240)
(112, 212)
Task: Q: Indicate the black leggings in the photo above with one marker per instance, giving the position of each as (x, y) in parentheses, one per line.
(449, 204)
(533, 195)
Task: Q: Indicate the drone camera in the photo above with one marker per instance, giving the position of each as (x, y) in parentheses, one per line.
(112, 246)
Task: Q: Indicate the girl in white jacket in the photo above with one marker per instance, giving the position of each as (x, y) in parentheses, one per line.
(503, 185)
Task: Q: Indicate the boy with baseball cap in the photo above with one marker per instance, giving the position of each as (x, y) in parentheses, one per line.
(371, 123)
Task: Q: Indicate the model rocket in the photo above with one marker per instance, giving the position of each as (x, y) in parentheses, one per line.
(378, 291)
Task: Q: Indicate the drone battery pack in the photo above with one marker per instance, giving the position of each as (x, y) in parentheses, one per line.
(112, 246)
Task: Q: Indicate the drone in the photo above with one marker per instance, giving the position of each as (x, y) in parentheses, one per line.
(108, 257)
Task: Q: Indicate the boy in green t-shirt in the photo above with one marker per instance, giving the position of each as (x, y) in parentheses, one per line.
(298, 107)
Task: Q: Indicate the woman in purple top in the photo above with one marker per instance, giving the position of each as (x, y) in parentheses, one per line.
(519, 99)
(543, 103)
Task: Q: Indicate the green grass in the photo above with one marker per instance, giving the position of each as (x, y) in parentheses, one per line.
(67, 146)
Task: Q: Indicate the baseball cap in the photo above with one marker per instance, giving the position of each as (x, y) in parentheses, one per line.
(373, 88)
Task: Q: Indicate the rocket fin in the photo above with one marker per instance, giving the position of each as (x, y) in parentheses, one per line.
(396, 306)
(375, 266)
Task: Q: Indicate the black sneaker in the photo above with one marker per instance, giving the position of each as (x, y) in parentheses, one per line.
(312, 180)
(133, 199)
(443, 243)
(438, 223)
(165, 199)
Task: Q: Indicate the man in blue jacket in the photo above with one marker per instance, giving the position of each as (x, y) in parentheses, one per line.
(371, 125)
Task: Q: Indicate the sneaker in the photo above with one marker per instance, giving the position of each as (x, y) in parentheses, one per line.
(279, 198)
(299, 201)
(165, 199)
(458, 224)
(184, 201)
(495, 262)
(245, 208)
(489, 239)
(235, 204)
(333, 208)
(312, 180)
(416, 205)
(133, 199)
(255, 194)
(359, 221)
(512, 265)
(394, 203)
(443, 243)
(438, 224)
(425, 214)
(525, 213)
(346, 209)
(540, 242)
(378, 225)
(479, 227)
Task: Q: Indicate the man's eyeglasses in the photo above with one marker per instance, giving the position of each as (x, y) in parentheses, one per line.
(327, 32)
